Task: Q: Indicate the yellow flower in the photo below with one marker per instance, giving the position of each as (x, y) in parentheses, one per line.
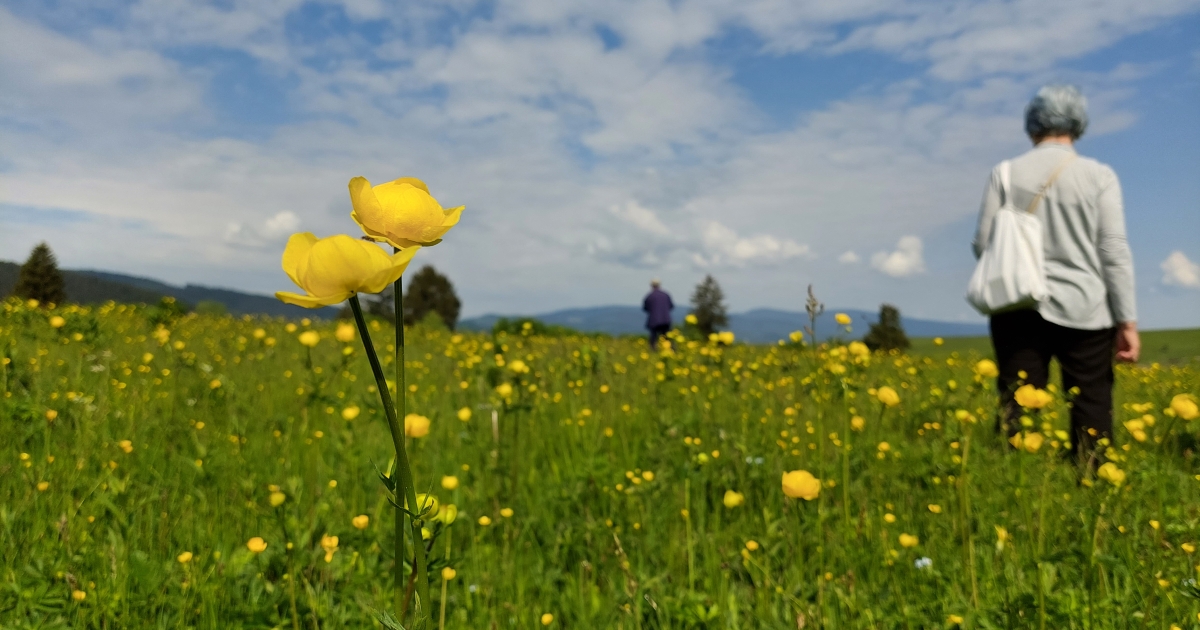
(43, 486)
(448, 574)
(752, 545)
(57, 322)
(1185, 407)
(884, 447)
(547, 619)
(796, 336)
(51, 414)
(691, 319)
(937, 341)
(426, 502)
(887, 396)
(725, 337)
(214, 384)
(1033, 442)
(1031, 397)
(1002, 537)
(126, 446)
(331, 270)
(276, 499)
(506, 512)
(256, 545)
(351, 412)
(344, 333)
(518, 367)
(464, 414)
(447, 514)
(935, 508)
(330, 545)
(310, 338)
(1188, 547)
(857, 423)
(889, 518)
(954, 619)
(484, 521)
(801, 484)
(184, 557)
(842, 319)
(987, 369)
(78, 595)
(733, 499)
(416, 426)
(361, 521)
(1110, 473)
(908, 541)
(504, 390)
(449, 482)
(648, 475)
(401, 212)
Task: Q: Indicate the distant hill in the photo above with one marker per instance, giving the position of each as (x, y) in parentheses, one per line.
(763, 325)
(94, 287)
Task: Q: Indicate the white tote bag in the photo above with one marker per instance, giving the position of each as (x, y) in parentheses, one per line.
(1011, 273)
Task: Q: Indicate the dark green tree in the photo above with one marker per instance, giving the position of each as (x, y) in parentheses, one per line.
(708, 305)
(431, 292)
(40, 278)
(887, 334)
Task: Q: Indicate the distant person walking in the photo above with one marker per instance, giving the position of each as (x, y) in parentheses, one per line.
(1088, 267)
(658, 306)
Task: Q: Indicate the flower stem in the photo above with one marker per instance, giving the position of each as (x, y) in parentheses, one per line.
(423, 600)
(404, 490)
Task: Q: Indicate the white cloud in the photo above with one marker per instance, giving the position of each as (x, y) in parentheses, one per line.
(722, 245)
(848, 258)
(905, 261)
(1179, 271)
(643, 218)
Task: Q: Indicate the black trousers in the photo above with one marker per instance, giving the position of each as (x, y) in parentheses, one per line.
(1023, 341)
(656, 332)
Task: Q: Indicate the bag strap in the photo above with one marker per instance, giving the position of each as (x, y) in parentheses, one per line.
(1042, 193)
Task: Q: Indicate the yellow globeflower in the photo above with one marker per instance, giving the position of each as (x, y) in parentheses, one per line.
(449, 482)
(726, 337)
(344, 333)
(77, 594)
(796, 336)
(401, 212)
(504, 390)
(484, 521)
(464, 414)
(506, 512)
(256, 545)
(447, 513)
(1033, 442)
(351, 412)
(691, 319)
(332, 269)
(858, 349)
(448, 574)
(733, 499)
(361, 521)
(1110, 473)
(57, 322)
(1031, 397)
(801, 484)
(987, 369)
(857, 423)
(887, 396)
(1185, 407)
(416, 426)
(330, 545)
(310, 338)
(184, 557)
(908, 541)
(276, 499)
(842, 319)
(547, 619)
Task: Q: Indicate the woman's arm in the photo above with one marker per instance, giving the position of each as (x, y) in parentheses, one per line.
(987, 212)
(1116, 263)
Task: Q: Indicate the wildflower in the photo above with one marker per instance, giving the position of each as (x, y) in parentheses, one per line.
(1188, 547)
(1002, 537)
(449, 482)
(506, 512)
(78, 595)
(547, 619)
(330, 545)
(426, 503)
(361, 521)
(987, 369)
(256, 545)
(884, 447)
(214, 384)
(504, 390)
(752, 545)
(126, 446)
(1033, 442)
(351, 412)
(858, 349)
(57, 322)
(332, 269)
(1031, 397)
(43, 486)
(691, 320)
(801, 484)
(733, 499)
(908, 541)
(447, 514)
(935, 508)
(484, 521)
(276, 499)
(464, 414)
(344, 333)
(954, 619)
(448, 574)
(401, 212)
(184, 557)
(889, 518)
(725, 337)
(51, 414)
(416, 426)
(1155, 524)
(518, 367)
(648, 475)
(310, 338)
(1185, 407)
(842, 319)
(887, 396)
(923, 563)
(796, 336)
(857, 423)
(1110, 473)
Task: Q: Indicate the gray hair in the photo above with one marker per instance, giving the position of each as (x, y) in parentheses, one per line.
(1056, 109)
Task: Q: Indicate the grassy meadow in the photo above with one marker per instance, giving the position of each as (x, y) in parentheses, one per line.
(214, 472)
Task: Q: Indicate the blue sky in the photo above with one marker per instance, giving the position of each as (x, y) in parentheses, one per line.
(770, 143)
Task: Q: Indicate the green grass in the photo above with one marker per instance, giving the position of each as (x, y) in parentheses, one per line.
(1158, 346)
(215, 427)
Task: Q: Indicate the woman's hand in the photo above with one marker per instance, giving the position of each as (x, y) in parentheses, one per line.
(1129, 345)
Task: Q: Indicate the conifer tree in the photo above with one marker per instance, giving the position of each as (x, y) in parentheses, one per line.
(887, 334)
(40, 278)
(708, 305)
(431, 292)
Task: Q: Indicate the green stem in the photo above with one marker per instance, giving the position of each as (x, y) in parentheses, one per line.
(423, 600)
(404, 485)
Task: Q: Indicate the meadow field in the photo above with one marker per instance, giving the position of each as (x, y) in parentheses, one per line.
(164, 471)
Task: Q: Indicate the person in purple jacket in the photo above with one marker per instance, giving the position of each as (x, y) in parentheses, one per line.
(658, 307)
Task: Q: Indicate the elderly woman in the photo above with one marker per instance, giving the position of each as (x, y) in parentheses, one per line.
(1089, 271)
